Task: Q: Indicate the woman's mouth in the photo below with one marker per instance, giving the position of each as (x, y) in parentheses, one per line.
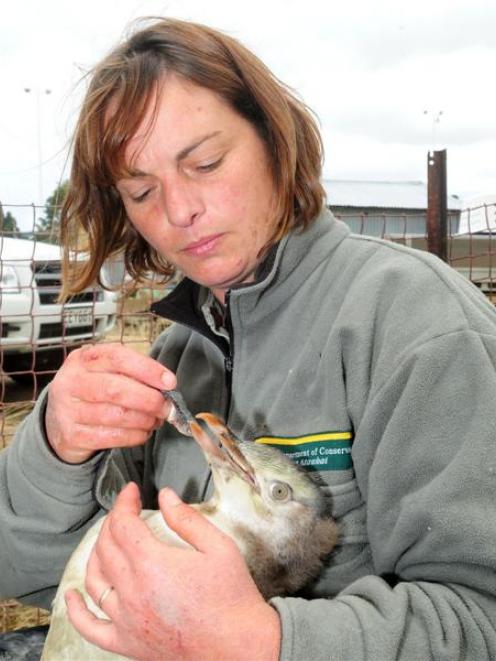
(203, 246)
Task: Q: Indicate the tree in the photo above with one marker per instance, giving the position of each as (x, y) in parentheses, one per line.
(47, 227)
(9, 225)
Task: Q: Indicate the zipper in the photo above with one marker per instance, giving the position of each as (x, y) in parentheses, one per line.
(168, 308)
(228, 372)
(229, 358)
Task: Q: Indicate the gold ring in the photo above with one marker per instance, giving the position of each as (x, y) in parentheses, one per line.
(104, 595)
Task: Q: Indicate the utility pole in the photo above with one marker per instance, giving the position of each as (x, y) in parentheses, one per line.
(37, 93)
(437, 204)
(436, 118)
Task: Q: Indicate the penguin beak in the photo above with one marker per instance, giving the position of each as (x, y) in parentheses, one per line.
(220, 447)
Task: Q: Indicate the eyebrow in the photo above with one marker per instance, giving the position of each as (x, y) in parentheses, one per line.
(187, 150)
(184, 153)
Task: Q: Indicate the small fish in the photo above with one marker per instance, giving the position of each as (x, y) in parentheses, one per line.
(180, 416)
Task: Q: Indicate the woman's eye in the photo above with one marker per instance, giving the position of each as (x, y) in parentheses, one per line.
(209, 167)
(279, 491)
(141, 196)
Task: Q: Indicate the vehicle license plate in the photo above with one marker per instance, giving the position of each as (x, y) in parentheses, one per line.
(78, 317)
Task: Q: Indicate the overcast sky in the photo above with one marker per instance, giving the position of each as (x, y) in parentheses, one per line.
(368, 69)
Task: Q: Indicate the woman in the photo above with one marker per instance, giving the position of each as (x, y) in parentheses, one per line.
(375, 363)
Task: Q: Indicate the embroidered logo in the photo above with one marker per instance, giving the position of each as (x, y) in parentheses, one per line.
(326, 451)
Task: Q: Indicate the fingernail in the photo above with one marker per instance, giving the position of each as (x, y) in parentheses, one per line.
(169, 380)
(166, 410)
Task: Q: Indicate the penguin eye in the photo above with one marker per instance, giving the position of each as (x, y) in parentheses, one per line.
(280, 491)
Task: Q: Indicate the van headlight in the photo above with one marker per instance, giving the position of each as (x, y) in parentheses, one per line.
(9, 282)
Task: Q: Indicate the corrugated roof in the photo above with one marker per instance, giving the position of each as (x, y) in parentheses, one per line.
(380, 194)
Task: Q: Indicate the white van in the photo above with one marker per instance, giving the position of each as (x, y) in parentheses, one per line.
(36, 331)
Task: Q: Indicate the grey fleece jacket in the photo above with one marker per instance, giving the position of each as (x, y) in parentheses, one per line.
(369, 363)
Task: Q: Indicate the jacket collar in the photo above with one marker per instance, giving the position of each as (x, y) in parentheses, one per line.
(183, 305)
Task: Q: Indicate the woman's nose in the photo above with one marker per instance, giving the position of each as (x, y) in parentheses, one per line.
(183, 203)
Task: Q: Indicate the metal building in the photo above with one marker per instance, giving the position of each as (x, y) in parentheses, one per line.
(389, 209)
(397, 210)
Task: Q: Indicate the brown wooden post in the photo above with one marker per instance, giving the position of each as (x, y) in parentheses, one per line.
(437, 204)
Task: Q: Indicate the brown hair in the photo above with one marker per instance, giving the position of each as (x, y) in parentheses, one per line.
(130, 74)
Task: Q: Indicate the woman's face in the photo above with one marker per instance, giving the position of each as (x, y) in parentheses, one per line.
(202, 193)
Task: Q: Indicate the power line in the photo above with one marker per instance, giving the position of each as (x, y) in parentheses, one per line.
(38, 94)
(35, 167)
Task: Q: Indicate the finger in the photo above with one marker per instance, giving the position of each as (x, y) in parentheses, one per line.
(128, 501)
(98, 585)
(95, 630)
(122, 359)
(120, 390)
(108, 564)
(90, 439)
(122, 525)
(125, 533)
(113, 415)
(126, 505)
(85, 441)
(190, 525)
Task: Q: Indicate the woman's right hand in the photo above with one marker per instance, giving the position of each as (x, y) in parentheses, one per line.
(105, 396)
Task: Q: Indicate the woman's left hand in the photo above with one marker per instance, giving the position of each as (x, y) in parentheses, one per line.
(169, 602)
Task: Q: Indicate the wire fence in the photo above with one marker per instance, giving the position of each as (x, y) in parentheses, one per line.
(37, 331)
(471, 238)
